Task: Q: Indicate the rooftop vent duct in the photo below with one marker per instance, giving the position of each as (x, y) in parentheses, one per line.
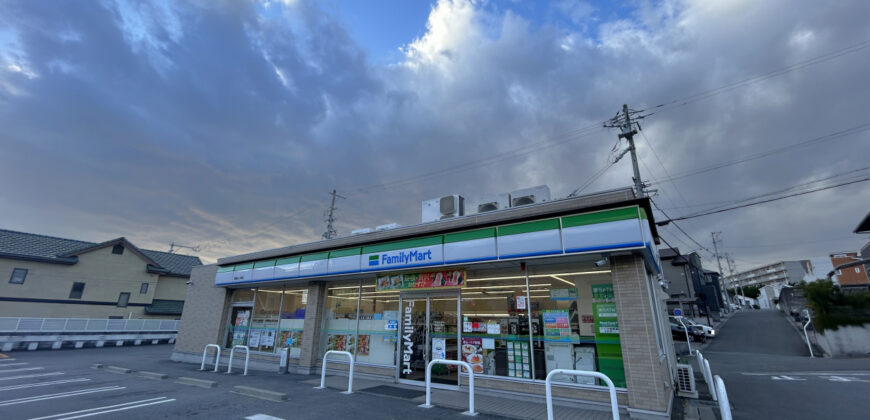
(387, 226)
(360, 231)
(532, 195)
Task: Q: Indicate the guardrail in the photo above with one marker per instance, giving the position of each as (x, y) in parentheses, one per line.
(323, 371)
(807, 336)
(724, 405)
(54, 325)
(614, 406)
(217, 356)
(704, 365)
(467, 366)
(232, 351)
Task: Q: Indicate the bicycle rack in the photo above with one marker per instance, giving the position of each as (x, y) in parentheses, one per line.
(323, 371)
(217, 356)
(614, 406)
(247, 357)
(428, 404)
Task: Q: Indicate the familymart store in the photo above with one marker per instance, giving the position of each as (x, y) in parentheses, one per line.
(516, 294)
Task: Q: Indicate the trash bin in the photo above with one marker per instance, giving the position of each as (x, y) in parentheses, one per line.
(284, 358)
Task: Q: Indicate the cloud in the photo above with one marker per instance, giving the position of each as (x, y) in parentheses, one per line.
(227, 123)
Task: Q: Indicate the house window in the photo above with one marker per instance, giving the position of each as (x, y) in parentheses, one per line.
(76, 291)
(18, 276)
(118, 249)
(123, 298)
(143, 288)
(857, 269)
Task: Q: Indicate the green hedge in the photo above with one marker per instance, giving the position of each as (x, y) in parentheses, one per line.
(832, 308)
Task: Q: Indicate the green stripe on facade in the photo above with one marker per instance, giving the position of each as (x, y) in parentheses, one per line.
(263, 264)
(225, 269)
(344, 252)
(469, 235)
(536, 226)
(285, 261)
(411, 243)
(643, 213)
(314, 257)
(246, 266)
(600, 217)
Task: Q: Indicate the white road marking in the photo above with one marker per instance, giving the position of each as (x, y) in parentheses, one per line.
(844, 379)
(117, 409)
(263, 417)
(130, 404)
(860, 373)
(60, 395)
(13, 364)
(9, 378)
(36, 384)
(786, 378)
(7, 360)
(20, 369)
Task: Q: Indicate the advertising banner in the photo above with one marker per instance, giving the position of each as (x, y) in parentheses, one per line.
(556, 325)
(422, 281)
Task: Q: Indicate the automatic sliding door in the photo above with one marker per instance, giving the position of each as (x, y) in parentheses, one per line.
(413, 349)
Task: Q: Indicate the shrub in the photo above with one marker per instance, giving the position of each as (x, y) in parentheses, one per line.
(832, 308)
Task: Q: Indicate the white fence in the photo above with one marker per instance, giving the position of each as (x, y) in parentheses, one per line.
(79, 325)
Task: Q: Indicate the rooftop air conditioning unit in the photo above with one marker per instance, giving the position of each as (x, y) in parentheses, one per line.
(387, 226)
(360, 231)
(532, 195)
(493, 203)
(445, 207)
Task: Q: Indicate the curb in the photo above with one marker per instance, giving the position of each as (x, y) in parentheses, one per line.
(152, 375)
(202, 383)
(263, 394)
(116, 369)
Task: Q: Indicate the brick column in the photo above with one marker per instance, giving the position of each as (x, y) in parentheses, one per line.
(310, 350)
(204, 314)
(646, 374)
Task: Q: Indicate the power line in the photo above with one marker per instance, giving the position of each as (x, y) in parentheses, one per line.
(839, 134)
(681, 229)
(706, 213)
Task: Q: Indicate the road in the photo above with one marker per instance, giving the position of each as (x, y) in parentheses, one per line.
(768, 373)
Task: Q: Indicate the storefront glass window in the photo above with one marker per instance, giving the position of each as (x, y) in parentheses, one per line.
(575, 325)
(495, 325)
(264, 324)
(240, 317)
(339, 317)
(243, 295)
(378, 323)
(292, 320)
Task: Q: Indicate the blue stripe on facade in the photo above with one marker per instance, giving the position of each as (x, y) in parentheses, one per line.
(399, 267)
(533, 254)
(470, 260)
(343, 272)
(598, 248)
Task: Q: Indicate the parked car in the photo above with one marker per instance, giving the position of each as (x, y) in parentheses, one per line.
(709, 332)
(679, 333)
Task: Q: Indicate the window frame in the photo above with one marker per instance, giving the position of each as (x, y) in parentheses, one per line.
(143, 289)
(118, 249)
(18, 270)
(81, 290)
(126, 301)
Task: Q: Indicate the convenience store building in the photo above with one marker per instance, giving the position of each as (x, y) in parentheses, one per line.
(567, 284)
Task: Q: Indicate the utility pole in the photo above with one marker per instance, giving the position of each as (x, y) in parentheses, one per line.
(739, 287)
(623, 122)
(330, 218)
(716, 239)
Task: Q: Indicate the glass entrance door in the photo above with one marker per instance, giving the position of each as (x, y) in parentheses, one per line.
(429, 330)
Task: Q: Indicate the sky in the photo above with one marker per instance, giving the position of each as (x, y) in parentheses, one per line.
(224, 125)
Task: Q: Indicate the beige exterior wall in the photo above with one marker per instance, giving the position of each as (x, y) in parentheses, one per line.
(646, 369)
(170, 288)
(106, 276)
(205, 312)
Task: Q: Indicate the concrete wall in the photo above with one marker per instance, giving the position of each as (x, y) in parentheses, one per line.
(647, 374)
(848, 341)
(204, 317)
(105, 275)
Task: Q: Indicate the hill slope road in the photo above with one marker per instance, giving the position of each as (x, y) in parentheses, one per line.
(768, 372)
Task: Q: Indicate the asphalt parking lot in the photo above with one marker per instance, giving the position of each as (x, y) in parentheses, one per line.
(62, 384)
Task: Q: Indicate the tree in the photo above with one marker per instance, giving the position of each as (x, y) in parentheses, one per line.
(832, 308)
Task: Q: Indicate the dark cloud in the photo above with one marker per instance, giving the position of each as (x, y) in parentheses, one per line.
(226, 124)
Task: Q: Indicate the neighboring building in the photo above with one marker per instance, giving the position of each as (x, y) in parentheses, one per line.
(690, 287)
(518, 292)
(768, 296)
(52, 277)
(790, 272)
(850, 276)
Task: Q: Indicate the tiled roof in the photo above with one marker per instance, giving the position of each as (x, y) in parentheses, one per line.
(50, 248)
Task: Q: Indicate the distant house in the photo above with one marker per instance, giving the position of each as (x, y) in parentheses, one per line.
(691, 288)
(51, 277)
(850, 275)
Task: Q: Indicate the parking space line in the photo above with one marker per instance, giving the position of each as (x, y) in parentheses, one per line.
(12, 364)
(36, 384)
(37, 375)
(106, 409)
(20, 369)
(6, 359)
(60, 395)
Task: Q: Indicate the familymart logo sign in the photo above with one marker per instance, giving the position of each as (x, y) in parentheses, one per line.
(406, 257)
